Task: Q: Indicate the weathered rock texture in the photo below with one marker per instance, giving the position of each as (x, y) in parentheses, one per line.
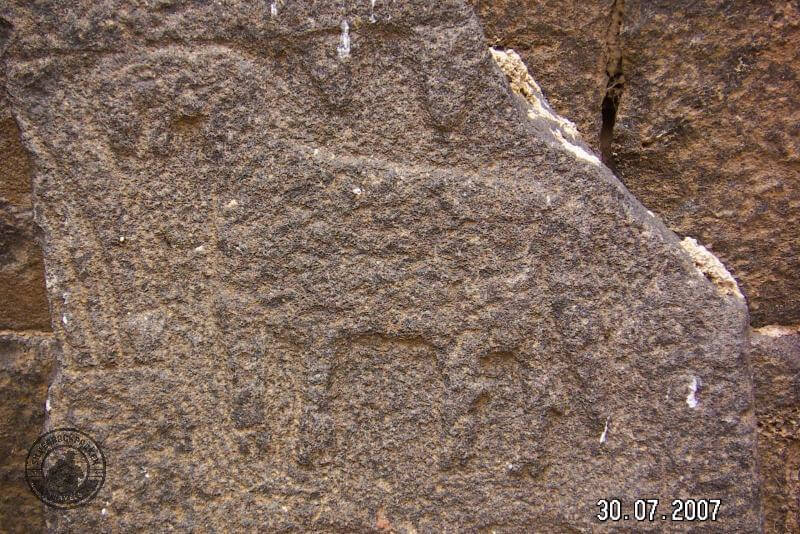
(27, 353)
(565, 46)
(707, 128)
(23, 305)
(26, 364)
(708, 135)
(317, 268)
(776, 373)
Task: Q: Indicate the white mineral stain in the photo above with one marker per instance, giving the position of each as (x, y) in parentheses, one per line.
(524, 85)
(47, 405)
(576, 151)
(777, 330)
(200, 249)
(710, 266)
(104, 512)
(691, 399)
(372, 11)
(520, 277)
(357, 191)
(604, 435)
(232, 204)
(64, 319)
(344, 41)
(122, 239)
(273, 9)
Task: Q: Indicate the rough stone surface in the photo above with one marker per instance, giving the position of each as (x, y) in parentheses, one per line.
(776, 373)
(707, 128)
(26, 364)
(708, 135)
(317, 273)
(23, 304)
(566, 48)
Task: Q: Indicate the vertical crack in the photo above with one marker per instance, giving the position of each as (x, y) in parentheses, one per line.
(5, 33)
(5, 29)
(615, 83)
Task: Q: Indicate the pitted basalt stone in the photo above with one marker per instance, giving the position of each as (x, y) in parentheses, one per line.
(27, 361)
(23, 302)
(776, 374)
(394, 303)
(704, 122)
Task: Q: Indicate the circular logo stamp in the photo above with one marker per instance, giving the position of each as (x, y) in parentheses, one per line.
(65, 468)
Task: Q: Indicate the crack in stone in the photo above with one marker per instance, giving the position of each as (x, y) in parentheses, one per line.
(615, 83)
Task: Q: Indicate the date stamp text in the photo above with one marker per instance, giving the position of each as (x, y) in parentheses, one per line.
(649, 510)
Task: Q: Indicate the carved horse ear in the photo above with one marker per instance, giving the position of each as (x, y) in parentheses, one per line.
(448, 94)
(326, 59)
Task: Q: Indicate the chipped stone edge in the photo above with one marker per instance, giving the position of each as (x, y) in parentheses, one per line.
(711, 267)
(564, 132)
(522, 84)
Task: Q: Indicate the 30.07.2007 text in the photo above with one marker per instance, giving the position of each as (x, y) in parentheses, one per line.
(647, 510)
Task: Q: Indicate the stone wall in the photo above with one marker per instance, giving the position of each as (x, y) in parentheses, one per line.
(703, 131)
(325, 267)
(23, 305)
(27, 362)
(776, 361)
(705, 114)
(27, 347)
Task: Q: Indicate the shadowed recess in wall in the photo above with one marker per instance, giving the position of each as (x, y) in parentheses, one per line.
(615, 84)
